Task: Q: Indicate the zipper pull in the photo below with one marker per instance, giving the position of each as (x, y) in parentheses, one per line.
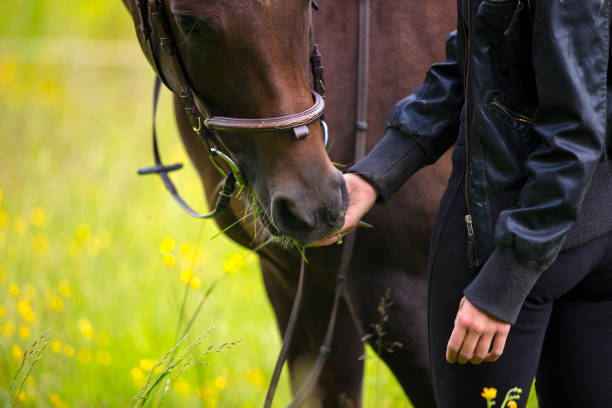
(472, 256)
(515, 17)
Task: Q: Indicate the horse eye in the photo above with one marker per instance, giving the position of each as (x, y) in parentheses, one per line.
(188, 24)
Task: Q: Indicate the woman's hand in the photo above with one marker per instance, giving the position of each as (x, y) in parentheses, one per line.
(472, 336)
(362, 196)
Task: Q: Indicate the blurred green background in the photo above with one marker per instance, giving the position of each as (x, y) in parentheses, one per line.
(81, 234)
(101, 256)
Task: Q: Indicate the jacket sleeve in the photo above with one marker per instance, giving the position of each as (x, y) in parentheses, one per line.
(420, 128)
(570, 58)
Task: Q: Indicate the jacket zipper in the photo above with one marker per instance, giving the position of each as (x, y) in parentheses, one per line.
(512, 113)
(472, 250)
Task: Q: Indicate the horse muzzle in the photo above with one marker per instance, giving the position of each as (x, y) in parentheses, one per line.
(309, 216)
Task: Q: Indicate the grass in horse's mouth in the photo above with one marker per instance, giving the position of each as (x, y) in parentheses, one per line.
(261, 222)
(270, 232)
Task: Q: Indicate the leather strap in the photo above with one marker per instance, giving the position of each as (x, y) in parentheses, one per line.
(225, 193)
(363, 73)
(221, 123)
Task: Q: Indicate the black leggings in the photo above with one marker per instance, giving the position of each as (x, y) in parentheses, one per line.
(563, 335)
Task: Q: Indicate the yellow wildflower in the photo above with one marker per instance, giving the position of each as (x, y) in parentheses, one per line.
(82, 233)
(157, 367)
(54, 398)
(255, 377)
(29, 292)
(220, 382)
(208, 395)
(84, 355)
(64, 289)
(4, 218)
(146, 364)
(14, 290)
(86, 328)
(2, 274)
(25, 310)
(2, 311)
(20, 395)
(40, 244)
(168, 260)
(511, 404)
(19, 226)
(17, 352)
(186, 275)
(167, 245)
(234, 262)
(182, 387)
(37, 216)
(185, 250)
(68, 350)
(24, 332)
(8, 328)
(489, 393)
(56, 346)
(195, 283)
(56, 401)
(207, 392)
(56, 303)
(103, 357)
(102, 339)
(138, 376)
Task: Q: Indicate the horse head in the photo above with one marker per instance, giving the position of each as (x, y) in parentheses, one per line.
(251, 59)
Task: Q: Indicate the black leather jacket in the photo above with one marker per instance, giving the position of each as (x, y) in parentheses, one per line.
(529, 81)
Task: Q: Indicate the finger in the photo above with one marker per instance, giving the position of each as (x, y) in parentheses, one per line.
(463, 299)
(335, 237)
(455, 342)
(469, 345)
(326, 241)
(482, 349)
(498, 346)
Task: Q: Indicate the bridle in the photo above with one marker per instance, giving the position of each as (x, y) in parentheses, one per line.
(206, 125)
(153, 23)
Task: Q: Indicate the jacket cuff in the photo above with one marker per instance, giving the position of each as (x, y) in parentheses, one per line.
(503, 283)
(392, 161)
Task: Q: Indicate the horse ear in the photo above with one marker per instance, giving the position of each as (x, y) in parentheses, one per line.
(315, 5)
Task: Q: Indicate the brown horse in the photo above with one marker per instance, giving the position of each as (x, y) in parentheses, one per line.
(250, 59)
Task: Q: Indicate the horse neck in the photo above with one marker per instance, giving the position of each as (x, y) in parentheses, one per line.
(404, 41)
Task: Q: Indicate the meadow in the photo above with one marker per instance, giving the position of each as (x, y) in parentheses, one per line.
(100, 262)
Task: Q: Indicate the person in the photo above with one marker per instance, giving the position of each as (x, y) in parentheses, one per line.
(521, 250)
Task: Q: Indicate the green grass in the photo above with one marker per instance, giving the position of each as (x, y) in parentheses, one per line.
(80, 232)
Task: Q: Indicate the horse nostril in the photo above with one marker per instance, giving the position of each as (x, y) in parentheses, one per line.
(331, 215)
(289, 217)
